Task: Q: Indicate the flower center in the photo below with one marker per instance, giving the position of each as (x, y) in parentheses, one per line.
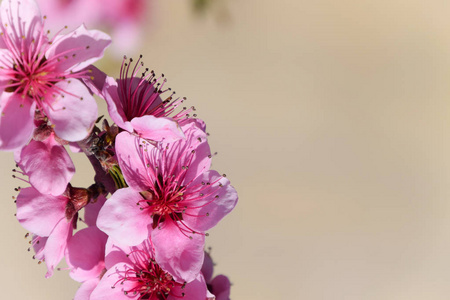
(149, 280)
(29, 80)
(163, 201)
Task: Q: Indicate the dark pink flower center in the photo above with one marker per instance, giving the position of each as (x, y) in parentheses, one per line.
(148, 280)
(140, 94)
(163, 201)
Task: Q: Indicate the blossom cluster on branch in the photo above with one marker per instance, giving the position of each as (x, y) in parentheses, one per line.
(154, 196)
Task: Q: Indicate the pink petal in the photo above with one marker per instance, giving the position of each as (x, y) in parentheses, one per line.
(208, 267)
(16, 121)
(217, 201)
(110, 286)
(39, 213)
(115, 253)
(92, 209)
(115, 109)
(75, 148)
(85, 254)
(82, 47)
(157, 129)
(178, 254)
(86, 289)
(221, 286)
(131, 162)
(39, 246)
(122, 219)
(96, 80)
(48, 165)
(16, 154)
(196, 139)
(56, 245)
(23, 19)
(74, 114)
(194, 290)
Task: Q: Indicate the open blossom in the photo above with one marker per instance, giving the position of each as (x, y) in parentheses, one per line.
(133, 273)
(52, 218)
(39, 73)
(135, 103)
(172, 197)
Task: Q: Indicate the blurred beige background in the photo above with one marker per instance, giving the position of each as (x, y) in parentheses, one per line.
(332, 120)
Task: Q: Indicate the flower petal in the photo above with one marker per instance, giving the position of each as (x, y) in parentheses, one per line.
(39, 246)
(56, 245)
(115, 253)
(16, 121)
(115, 109)
(131, 161)
(39, 213)
(194, 290)
(96, 80)
(221, 286)
(48, 165)
(178, 254)
(85, 254)
(219, 198)
(208, 267)
(74, 112)
(196, 139)
(157, 129)
(86, 289)
(78, 49)
(111, 287)
(122, 219)
(91, 211)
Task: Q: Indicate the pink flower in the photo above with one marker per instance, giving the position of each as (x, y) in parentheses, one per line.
(133, 273)
(172, 197)
(135, 104)
(39, 73)
(51, 217)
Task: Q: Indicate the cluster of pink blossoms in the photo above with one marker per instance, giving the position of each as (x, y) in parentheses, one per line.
(154, 196)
